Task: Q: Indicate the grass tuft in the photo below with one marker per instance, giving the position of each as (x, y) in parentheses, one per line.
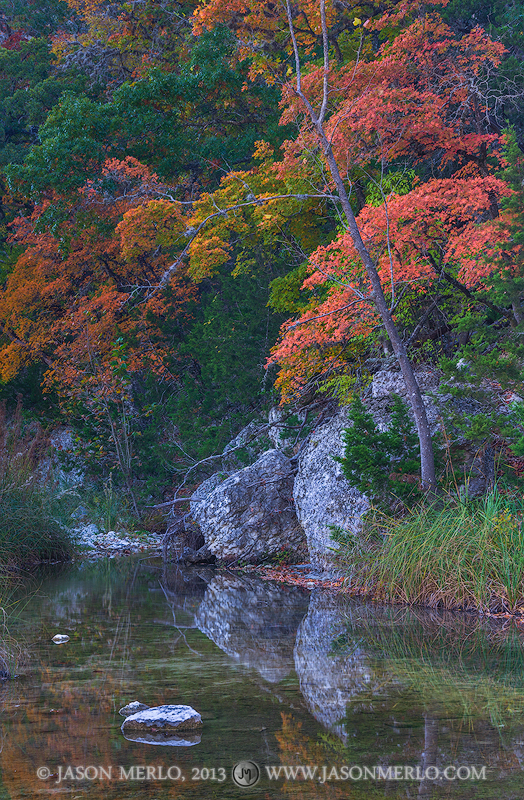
(454, 555)
(33, 511)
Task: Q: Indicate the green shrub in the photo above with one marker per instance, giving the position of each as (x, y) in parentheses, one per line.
(383, 465)
(33, 512)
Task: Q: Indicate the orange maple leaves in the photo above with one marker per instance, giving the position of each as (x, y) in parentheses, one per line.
(89, 279)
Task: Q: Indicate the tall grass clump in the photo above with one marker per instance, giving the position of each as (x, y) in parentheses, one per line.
(452, 554)
(33, 511)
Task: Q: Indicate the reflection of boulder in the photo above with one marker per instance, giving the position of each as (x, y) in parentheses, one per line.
(183, 740)
(254, 622)
(329, 681)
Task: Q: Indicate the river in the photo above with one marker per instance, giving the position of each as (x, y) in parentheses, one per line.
(349, 700)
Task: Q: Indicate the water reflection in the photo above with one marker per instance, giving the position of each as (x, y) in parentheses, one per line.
(279, 677)
(254, 622)
(330, 679)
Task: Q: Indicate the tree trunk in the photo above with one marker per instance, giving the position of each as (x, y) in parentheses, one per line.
(427, 462)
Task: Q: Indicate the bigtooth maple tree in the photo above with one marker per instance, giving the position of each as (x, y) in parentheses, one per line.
(418, 102)
(73, 290)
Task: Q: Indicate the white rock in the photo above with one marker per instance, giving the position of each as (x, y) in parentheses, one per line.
(132, 708)
(387, 382)
(164, 719)
(322, 495)
(250, 514)
(60, 638)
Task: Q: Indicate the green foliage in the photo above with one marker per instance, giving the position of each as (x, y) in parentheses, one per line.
(73, 147)
(224, 382)
(201, 118)
(37, 18)
(514, 432)
(392, 183)
(33, 509)
(506, 281)
(384, 465)
(285, 296)
(29, 89)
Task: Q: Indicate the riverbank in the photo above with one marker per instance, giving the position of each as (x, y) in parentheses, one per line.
(452, 555)
(296, 575)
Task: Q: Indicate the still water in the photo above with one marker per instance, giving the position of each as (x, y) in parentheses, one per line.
(376, 702)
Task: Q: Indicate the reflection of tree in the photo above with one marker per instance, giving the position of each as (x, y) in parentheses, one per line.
(459, 664)
(297, 748)
(429, 756)
(463, 676)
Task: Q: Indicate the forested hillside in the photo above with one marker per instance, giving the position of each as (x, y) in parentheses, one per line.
(175, 254)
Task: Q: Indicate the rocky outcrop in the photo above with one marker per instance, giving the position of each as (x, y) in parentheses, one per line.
(322, 495)
(386, 383)
(253, 622)
(280, 423)
(249, 443)
(250, 514)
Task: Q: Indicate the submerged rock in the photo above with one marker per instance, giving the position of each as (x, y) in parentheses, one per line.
(323, 497)
(164, 719)
(132, 708)
(250, 514)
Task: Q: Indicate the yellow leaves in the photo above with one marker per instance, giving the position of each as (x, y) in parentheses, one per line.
(263, 151)
(207, 254)
(12, 358)
(158, 223)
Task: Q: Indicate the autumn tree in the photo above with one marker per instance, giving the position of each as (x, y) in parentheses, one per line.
(342, 115)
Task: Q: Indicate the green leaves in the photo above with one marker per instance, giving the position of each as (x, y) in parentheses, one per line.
(382, 464)
(73, 146)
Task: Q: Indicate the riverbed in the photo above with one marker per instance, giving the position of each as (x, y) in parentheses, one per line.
(303, 694)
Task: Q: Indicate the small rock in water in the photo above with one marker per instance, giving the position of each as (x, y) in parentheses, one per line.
(60, 638)
(132, 708)
(164, 719)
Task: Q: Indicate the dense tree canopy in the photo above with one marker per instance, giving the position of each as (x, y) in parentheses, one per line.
(166, 205)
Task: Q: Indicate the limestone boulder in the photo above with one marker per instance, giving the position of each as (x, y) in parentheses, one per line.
(250, 514)
(322, 495)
